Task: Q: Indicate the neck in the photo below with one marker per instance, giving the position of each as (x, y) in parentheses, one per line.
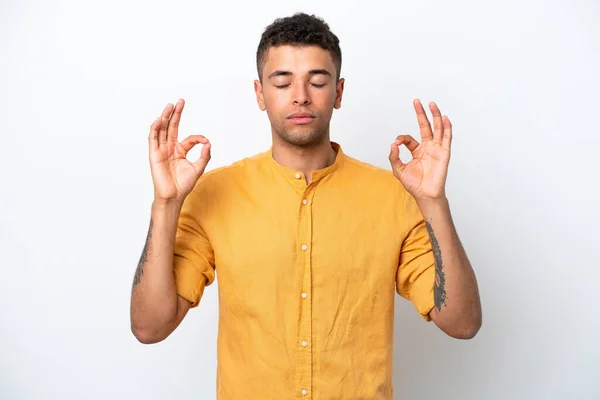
(304, 158)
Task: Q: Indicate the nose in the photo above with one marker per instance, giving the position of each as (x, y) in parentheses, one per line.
(301, 96)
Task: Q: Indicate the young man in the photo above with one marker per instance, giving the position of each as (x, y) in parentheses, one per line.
(310, 244)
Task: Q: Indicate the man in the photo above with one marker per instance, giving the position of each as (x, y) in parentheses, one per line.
(310, 244)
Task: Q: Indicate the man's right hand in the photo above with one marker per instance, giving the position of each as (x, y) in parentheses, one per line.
(173, 175)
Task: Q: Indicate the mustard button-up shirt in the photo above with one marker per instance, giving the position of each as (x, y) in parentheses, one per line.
(307, 275)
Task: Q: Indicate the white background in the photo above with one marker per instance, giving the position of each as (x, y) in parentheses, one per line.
(82, 81)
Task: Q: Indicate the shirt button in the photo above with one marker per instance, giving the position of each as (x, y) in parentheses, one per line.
(304, 295)
(304, 201)
(298, 175)
(304, 247)
(304, 344)
(304, 392)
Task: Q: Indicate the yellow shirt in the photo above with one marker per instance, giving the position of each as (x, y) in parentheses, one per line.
(306, 275)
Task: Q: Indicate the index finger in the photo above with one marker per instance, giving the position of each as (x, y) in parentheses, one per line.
(424, 124)
(173, 130)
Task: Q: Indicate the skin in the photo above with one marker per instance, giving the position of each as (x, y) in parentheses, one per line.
(156, 309)
(300, 79)
(457, 309)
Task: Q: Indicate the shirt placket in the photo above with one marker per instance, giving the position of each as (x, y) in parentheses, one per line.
(304, 338)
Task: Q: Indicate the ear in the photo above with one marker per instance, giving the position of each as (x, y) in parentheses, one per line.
(260, 98)
(339, 91)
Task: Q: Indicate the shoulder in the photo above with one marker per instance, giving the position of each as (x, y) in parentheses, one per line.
(355, 165)
(366, 174)
(377, 183)
(219, 185)
(228, 175)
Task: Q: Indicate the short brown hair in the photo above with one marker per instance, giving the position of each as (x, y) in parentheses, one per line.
(299, 30)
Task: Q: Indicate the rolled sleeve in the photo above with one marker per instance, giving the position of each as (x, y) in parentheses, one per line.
(415, 278)
(193, 256)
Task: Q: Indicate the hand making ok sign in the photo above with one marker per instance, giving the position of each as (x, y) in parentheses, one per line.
(425, 175)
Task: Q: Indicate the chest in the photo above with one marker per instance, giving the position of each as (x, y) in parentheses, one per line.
(272, 240)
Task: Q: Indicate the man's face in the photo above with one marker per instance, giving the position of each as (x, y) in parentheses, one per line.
(299, 92)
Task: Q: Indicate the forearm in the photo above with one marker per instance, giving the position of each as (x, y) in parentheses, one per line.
(457, 308)
(154, 297)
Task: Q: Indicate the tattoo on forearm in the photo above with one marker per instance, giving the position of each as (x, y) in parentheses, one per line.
(143, 258)
(439, 290)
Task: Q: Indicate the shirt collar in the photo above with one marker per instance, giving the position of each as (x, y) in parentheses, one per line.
(298, 176)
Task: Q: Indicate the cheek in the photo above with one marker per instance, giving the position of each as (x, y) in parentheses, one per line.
(330, 96)
(325, 100)
(274, 101)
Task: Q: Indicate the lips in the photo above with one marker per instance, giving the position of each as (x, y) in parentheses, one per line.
(301, 118)
(301, 115)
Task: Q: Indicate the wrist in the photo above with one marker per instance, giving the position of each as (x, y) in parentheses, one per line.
(433, 206)
(169, 206)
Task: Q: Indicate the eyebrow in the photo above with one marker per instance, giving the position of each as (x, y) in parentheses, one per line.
(288, 73)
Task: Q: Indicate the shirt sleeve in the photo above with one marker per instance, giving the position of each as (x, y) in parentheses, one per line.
(415, 277)
(193, 255)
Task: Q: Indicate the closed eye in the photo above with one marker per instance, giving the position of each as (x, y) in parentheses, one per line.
(317, 85)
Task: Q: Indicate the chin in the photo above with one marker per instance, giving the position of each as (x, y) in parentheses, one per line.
(303, 135)
(301, 138)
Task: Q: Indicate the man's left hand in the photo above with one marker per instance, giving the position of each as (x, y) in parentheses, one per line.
(425, 175)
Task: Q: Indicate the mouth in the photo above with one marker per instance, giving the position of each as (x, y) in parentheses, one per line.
(301, 118)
